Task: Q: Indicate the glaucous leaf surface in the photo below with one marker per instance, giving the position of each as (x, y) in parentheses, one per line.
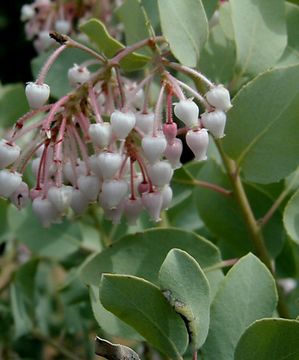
(275, 339)
(247, 293)
(9, 96)
(186, 287)
(291, 53)
(217, 60)
(260, 34)
(133, 18)
(291, 217)
(142, 305)
(185, 26)
(263, 129)
(221, 214)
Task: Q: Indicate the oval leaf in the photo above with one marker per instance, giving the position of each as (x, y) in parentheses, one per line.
(291, 217)
(260, 33)
(247, 293)
(263, 128)
(275, 339)
(98, 34)
(142, 254)
(187, 289)
(142, 305)
(185, 26)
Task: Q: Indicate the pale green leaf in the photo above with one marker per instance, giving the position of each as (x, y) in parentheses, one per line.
(260, 33)
(185, 26)
(247, 293)
(131, 15)
(98, 34)
(186, 287)
(10, 95)
(263, 128)
(291, 217)
(142, 305)
(275, 339)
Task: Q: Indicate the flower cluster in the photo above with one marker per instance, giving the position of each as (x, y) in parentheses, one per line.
(44, 16)
(107, 142)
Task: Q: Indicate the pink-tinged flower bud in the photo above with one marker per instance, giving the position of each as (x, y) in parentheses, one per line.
(9, 153)
(145, 122)
(109, 164)
(143, 187)
(187, 111)
(62, 26)
(60, 197)
(170, 131)
(122, 123)
(27, 12)
(219, 97)
(113, 192)
(100, 134)
(215, 122)
(34, 193)
(89, 185)
(198, 142)
(78, 75)
(166, 196)
(9, 182)
(153, 147)
(132, 210)
(37, 94)
(79, 202)
(160, 173)
(152, 201)
(20, 196)
(45, 211)
(173, 153)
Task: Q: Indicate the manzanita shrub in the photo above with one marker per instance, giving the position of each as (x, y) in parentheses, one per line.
(148, 182)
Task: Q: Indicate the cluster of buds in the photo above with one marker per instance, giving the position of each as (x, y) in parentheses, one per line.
(103, 142)
(44, 16)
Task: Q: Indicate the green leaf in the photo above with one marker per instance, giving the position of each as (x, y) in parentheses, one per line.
(57, 242)
(291, 53)
(142, 254)
(98, 34)
(210, 7)
(9, 96)
(275, 339)
(25, 279)
(22, 322)
(142, 305)
(263, 128)
(218, 57)
(222, 216)
(185, 26)
(291, 217)
(260, 33)
(57, 77)
(225, 20)
(186, 287)
(247, 293)
(131, 15)
(151, 9)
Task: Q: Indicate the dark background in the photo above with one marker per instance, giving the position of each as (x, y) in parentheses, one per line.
(15, 51)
